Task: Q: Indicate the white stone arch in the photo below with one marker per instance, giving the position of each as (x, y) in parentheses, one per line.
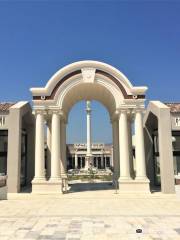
(80, 65)
(76, 90)
(91, 80)
(88, 65)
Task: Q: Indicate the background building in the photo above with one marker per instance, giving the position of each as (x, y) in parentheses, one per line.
(102, 155)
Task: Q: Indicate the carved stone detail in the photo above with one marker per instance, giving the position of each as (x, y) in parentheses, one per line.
(88, 74)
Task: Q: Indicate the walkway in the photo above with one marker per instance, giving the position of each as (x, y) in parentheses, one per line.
(90, 215)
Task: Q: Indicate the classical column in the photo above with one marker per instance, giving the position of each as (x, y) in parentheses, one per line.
(115, 130)
(111, 157)
(76, 161)
(55, 147)
(110, 160)
(102, 162)
(39, 147)
(123, 146)
(88, 117)
(63, 162)
(48, 170)
(139, 150)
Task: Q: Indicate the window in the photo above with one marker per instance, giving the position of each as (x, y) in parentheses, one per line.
(157, 177)
(23, 158)
(3, 151)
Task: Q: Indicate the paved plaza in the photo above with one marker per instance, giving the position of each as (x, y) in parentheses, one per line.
(90, 214)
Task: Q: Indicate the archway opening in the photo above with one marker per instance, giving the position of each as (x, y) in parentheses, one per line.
(98, 176)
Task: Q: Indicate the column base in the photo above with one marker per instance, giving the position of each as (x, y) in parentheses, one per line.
(88, 162)
(45, 187)
(38, 179)
(54, 179)
(134, 186)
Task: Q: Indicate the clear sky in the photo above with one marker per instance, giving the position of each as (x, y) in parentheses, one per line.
(140, 38)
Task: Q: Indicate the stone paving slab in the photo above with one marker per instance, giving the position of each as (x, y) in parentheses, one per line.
(84, 206)
(90, 228)
(100, 215)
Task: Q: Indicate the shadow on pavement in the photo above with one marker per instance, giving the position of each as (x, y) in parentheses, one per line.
(82, 187)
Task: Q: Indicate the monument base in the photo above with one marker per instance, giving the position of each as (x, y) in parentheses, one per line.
(88, 162)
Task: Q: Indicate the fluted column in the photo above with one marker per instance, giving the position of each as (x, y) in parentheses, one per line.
(123, 146)
(139, 150)
(55, 146)
(39, 147)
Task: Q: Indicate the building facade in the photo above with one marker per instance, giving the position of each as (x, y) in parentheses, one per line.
(145, 147)
(161, 131)
(17, 144)
(102, 155)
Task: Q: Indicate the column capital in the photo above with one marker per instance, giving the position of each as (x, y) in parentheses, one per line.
(55, 111)
(125, 111)
(138, 110)
(39, 111)
(59, 112)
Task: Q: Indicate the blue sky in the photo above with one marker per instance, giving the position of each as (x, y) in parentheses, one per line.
(140, 38)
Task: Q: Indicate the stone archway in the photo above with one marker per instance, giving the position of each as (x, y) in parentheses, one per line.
(89, 80)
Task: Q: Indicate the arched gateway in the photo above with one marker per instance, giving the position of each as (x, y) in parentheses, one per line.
(87, 80)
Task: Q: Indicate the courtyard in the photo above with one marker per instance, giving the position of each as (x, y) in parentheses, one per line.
(89, 120)
(90, 214)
